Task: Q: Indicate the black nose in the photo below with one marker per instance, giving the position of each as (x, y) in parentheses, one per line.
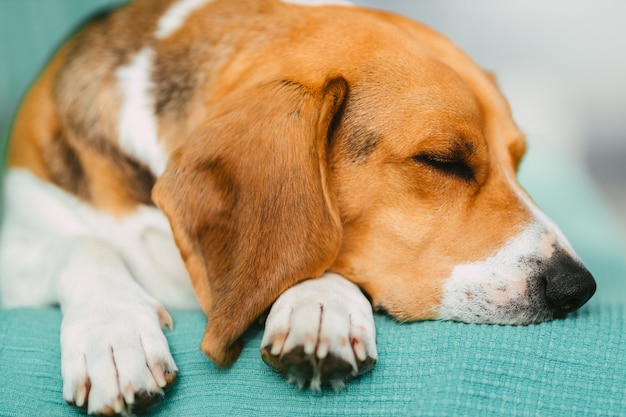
(569, 284)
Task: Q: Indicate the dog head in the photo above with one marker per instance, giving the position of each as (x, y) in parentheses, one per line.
(435, 223)
(376, 149)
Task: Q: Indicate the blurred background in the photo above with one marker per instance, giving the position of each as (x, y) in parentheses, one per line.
(561, 63)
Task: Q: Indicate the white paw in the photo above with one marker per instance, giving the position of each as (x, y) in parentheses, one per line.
(321, 330)
(115, 358)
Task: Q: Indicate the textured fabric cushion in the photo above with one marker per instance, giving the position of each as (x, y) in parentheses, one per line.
(570, 367)
(562, 368)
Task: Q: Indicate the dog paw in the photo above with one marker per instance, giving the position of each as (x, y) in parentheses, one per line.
(115, 359)
(320, 330)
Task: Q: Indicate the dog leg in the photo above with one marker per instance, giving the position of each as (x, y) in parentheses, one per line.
(321, 330)
(114, 356)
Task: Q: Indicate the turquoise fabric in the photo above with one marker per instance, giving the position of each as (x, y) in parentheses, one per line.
(571, 367)
(30, 31)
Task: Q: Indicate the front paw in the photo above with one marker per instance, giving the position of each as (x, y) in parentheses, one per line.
(319, 331)
(115, 359)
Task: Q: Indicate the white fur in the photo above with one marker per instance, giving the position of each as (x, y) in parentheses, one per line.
(57, 249)
(43, 225)
(176, 16)
(497, 289)
(319, 2)
(494, 290)
(111, 331)
(323, 315)
(137, 123)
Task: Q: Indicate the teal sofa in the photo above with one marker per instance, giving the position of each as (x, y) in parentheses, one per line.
(570, 367)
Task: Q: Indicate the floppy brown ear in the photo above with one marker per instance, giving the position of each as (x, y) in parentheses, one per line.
(250, 205)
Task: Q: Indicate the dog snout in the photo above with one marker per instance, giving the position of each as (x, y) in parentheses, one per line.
(568, 284)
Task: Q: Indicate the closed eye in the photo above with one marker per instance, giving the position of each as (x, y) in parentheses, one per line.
(450, 166)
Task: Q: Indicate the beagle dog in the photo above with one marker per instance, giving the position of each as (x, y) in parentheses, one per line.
(313, 160)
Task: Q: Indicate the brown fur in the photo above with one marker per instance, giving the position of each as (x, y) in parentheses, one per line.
(299, 143)
(265, 227)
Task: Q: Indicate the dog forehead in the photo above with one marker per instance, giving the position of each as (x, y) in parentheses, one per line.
(407, 113)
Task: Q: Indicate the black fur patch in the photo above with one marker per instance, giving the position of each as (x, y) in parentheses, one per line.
(70, 173)
(65, 167)
(175, 81)
(137, 178)
(140, 180)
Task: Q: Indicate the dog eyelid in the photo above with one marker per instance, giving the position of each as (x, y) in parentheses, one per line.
(449, 165)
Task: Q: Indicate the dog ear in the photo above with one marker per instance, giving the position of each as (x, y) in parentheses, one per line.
(250, 206)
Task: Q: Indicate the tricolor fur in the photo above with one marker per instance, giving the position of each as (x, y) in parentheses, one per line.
(219, 152)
